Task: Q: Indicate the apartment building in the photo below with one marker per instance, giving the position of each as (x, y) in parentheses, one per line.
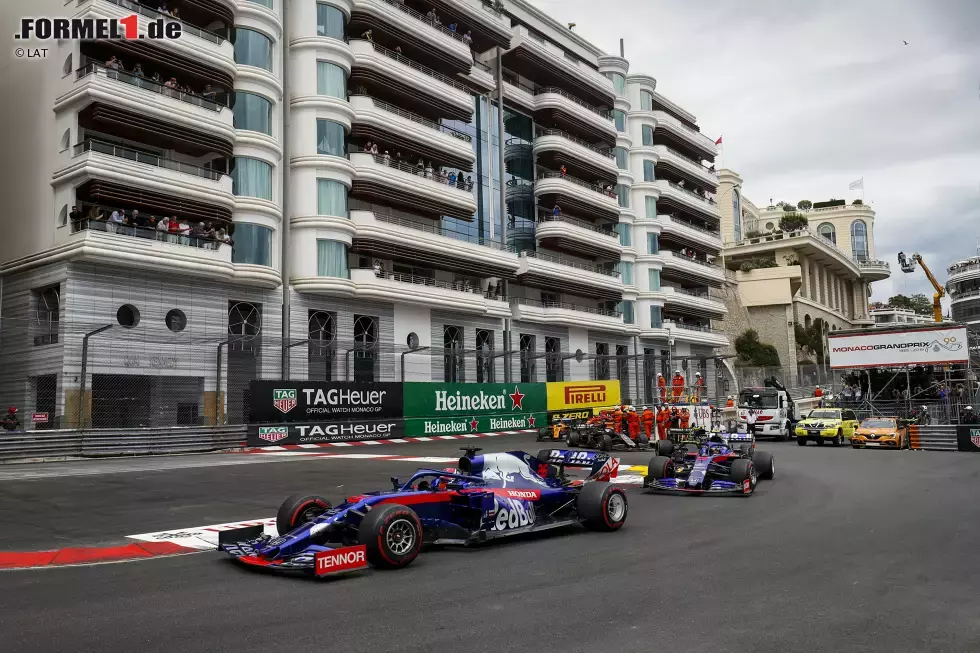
(963, 287)
(790, 271)
(349, 202)
(892, 315)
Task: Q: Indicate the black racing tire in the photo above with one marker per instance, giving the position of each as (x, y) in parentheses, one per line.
(664, 447)
(392, 535)
(299, 509)
(605, 442)
(659, 467)
(544, 433)
(801, 440)
(764, 464)
(573, 438)
(643, 440)
(602, 506)
(744, 469)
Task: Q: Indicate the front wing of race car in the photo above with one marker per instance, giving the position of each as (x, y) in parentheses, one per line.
(679, 486)
(244, 544)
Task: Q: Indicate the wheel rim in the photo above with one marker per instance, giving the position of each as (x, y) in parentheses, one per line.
(753, 476)
(772, 467)
(400, 536)
(310, 514)
(616, 507)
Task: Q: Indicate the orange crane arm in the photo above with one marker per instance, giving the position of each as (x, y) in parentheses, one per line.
(937, 308)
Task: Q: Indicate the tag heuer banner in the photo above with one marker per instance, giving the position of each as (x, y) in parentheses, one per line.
(312, 433)
(469, 400)
(323, 401)
(582, 394)
(968, 437)
(422, 427)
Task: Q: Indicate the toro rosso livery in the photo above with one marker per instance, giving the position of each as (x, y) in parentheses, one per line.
(711, 467)
(486, 497)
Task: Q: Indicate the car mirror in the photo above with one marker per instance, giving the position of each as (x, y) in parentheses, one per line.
(396, 484)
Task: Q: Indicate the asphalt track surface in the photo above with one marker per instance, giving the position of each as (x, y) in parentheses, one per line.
(844, 551)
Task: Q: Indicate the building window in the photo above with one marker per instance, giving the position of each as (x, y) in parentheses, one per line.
(331, 138)
(321, 335)
(365, 343)
(265, 3)
(331, 259)
(252, 112)
(331, 80)
(47, 315)
(648, 174)
(654, 280)
(601, 361)
(859, 240)
(650, 203)
(827, 231)
(620, 118)
(622, 157)
(626, 308)
(251, 178)
(623, 195)
(619, 82)
(653, 243)
(623, 367)
(648, 135)
(527, 357)
(452, 354)
(646, 101)
(625, 232)
(626, 272)
(331, 198)
(484, 356)
(253, 49)
(656, 320)
(253, 244)
(330, 22)
(737, 215)
(554, 366)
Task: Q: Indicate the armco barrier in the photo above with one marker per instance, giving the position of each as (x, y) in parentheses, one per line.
(939, 437)
(118, 442)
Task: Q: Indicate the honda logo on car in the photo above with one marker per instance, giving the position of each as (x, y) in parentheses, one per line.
(273, 433)
(338, 560)
(585, 394)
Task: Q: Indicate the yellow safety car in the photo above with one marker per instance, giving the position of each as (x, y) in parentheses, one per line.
(882, 432)
(834, 425)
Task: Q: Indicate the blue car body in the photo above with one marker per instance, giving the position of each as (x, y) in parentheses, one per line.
(707, 470)
(485, 497)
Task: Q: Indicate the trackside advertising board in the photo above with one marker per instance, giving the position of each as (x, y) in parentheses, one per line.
(576, 395)
(460, 408)
(937, 346)
(323, 401)
(312, 433)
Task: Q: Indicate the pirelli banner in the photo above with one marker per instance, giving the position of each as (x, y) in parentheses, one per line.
(461, 408)
(323, 401)
(576, 396)
(932, 346)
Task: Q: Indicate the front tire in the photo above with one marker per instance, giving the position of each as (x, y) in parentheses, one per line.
(659, 467)
(800, 440)
(605, 442)
(573, 438)
(392, 535)
(299, 509)
(743, 469)
(838, 439)
(602, 506)
(764, 464)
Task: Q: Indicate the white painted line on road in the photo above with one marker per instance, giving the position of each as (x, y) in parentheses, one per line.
(466, 435)
(370, 442)
(308, 446)
(341, 444)
(424, 439)
(398, 440)
(446, 437)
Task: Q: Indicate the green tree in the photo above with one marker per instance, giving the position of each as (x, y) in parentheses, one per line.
(917, 302)
(804, 205)
(811, 337)
(753, 352)
(793, 221)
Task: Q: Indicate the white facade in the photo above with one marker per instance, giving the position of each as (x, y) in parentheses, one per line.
(890, 316)
(963, 287)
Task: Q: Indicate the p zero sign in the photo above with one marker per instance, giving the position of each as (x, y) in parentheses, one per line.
(323, 401)
(937, 346)
(582, 394)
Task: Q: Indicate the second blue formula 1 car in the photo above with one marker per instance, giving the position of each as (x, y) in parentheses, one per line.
(713, 466)
(484, 498)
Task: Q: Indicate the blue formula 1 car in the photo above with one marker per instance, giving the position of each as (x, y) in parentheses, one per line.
(484, 498)
(713, 466)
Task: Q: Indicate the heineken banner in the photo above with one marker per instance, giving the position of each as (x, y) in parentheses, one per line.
(312, 433)
(469, 400)
(323, 401)
(422, 427)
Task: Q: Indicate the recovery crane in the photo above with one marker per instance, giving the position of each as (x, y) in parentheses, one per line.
(908, 265)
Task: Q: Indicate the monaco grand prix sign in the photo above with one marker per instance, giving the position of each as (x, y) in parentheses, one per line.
(939, 346)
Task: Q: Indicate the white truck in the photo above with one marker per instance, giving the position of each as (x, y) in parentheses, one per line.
(773, 408)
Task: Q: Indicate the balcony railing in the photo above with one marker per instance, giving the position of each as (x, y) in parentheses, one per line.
(146, 233)
(568, 96)
(149, 85)
(690, 293)
(414, 117)
(545, 215)
(578, 141)
(595, 188)
(870, 264)
(693, 327)
(685, 223)
(560, 260)
(688, 259)
(149, 12)
(708, 170)
(692, 193)
(966, 294)
(565, 305)
(92, 145)
(425, 70)
(956, 268)
(418, 225)
(456, 286)
(490, 6)
(482, 66)
(671, 120)
(423, 18)
(432, 174)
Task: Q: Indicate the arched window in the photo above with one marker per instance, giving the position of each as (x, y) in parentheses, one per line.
(827, 231)
(737, 214)
(859, 240)
(807, 320)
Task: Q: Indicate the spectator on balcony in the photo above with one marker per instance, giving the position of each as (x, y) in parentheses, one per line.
(140, 220)
(374, 149)
(378, 269)
(556, 212)
(173, 229)
(398, 49)
(138, 71)
(163, 227)
(116, 218)
(420, 168)
(367, 147)
(452, 178)
(157, 79)
(113, 63)
(469, 182)
(173, 12)
(431, 15)
(368, 35)
(468, 38)
(172, 84)
(452, 27)
(387, 158)
(185, 232)
(563, 170)
(75, 217)
(428, 170)
(210, 93)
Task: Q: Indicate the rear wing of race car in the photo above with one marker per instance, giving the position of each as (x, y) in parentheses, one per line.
(602, 466)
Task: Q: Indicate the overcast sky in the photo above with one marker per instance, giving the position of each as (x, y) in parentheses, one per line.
(810, 95)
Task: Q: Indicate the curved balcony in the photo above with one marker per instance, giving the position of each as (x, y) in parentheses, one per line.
(694, 269)
(561, 232)
(548, 62)
(584, 197)
(387, 67)
(686, 166)
(685, 199)
(576, 152)
(411, 26)
(517, 148)
(696, 139)
(401, 129)
(555, 272)
(964, 270)
(694, 302)
(566, 314)
(873, 270)
(400, 288)
(560, 107)
(402, 184)
(694, 334)
(479, 15)
(689, 233)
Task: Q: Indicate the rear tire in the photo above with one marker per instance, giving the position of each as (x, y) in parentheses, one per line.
(664, 447)
(299, 509)
(573, 438)
(602, 506)
(764, 464)
(392, 535)
(659, 467)
(800, 440)
(605, 442)
(643, 440)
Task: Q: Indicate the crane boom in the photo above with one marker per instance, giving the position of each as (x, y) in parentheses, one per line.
(937, 308)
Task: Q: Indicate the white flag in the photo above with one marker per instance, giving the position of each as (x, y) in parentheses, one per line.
(857, 185)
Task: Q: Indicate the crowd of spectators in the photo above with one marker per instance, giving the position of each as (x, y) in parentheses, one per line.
(175, 87)
(172, 229)
(422, 168)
